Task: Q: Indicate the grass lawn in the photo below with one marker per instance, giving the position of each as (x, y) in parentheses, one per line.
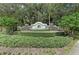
(30, 44)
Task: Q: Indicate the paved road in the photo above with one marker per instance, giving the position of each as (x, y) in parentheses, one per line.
(75, 50)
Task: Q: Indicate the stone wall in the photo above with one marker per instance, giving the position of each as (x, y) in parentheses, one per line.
(27, 27)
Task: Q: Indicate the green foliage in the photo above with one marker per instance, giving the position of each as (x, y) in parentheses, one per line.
(36, 34)
(70, 23)
(40, 33)
(30, 13)
(7, 21)
(36, 42)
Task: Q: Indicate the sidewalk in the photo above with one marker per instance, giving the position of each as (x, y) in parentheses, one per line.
(75, 50)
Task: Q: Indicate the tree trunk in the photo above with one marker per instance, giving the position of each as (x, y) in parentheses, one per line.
(49, 21)
(73, 34)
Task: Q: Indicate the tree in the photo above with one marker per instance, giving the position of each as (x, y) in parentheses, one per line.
(70, 24)
(31, 13)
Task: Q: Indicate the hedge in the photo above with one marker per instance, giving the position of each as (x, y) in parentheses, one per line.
(36, 42)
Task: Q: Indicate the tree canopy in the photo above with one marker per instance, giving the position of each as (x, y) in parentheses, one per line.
(30, 13)
(70, 23)
(24, 13)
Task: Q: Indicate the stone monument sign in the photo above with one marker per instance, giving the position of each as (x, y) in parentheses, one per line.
(39, 26)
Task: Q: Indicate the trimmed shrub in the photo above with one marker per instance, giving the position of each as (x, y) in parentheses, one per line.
(40, 33)
(36, 42)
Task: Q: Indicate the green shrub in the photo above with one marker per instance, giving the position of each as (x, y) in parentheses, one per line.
(40, 33)
(70, 24)
(37, 42)
(8, 23)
